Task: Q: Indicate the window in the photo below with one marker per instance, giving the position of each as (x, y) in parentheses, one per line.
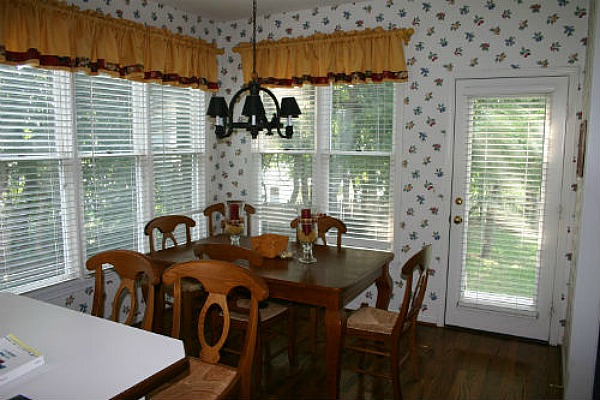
(84, 163)
(340, 160)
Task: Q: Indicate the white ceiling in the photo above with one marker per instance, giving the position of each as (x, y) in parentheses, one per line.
(228, 10)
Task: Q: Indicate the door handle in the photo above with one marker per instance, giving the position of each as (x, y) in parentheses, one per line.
(458, 220)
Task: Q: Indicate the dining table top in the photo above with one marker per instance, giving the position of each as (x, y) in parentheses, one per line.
(344, 270)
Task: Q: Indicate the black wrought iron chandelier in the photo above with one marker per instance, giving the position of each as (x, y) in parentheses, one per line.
(253, 106)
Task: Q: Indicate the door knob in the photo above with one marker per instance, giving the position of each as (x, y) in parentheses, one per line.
(458, 201)
(458, 220)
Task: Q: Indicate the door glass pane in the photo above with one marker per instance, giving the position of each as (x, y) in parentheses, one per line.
(505, 213)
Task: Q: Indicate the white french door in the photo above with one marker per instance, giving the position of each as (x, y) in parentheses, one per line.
(507, 184)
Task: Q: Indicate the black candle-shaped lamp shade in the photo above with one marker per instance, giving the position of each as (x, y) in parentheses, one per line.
(217, 107)
(253, 108)
(289, 107)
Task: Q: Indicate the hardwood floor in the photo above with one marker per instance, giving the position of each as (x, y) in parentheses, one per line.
(454, 364)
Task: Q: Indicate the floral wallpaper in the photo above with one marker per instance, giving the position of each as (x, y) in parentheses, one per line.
(451, 37)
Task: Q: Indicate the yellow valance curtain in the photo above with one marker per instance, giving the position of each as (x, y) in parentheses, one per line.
(51, 34)
(372, 55)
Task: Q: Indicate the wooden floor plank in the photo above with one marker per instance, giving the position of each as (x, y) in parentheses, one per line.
(454, 364)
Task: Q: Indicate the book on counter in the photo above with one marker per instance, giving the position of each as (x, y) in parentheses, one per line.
(17, 358)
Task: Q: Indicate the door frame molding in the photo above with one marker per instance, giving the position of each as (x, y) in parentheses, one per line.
(568, 197)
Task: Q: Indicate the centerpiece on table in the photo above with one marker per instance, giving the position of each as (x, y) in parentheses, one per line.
(307, 234)
(234, 222)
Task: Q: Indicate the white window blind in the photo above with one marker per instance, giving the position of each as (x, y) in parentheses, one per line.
(507, 154)
(81, 159)
(360, 165)
(109, 145)
(178, 153)
(34, 152)
(339, 161)
(286, 166)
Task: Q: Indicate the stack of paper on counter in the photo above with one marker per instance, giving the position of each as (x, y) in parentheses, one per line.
(17, 358)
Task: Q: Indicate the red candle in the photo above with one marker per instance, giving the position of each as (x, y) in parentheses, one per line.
(306, 220)
(307, 227)
(234, 211)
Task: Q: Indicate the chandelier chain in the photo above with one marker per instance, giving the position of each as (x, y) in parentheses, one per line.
(254, 74)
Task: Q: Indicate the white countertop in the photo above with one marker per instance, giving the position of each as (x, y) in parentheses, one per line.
(86, 358)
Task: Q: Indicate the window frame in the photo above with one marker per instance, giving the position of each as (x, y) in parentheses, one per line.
(65, 152)
(321, 154)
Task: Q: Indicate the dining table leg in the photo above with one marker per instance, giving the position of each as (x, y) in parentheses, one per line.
(333, 337)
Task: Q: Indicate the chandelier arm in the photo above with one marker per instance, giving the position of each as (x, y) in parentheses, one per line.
(276, 122)
(231, 124)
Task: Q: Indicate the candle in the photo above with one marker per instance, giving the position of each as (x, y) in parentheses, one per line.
(307, 227)
(234, 211)
(306, 220)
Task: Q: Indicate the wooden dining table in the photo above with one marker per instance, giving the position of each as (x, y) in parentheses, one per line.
(337, 277)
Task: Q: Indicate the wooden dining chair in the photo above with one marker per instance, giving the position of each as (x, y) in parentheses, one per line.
(324, 224)
(134, 269)
(216, 212)
(162, 233)
(207, 377)
(272, 314)
(167, 226)
(378, 332)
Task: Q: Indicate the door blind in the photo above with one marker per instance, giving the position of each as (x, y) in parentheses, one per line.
(505, 214)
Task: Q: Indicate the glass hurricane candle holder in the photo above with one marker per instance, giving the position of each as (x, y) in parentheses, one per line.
(234, 223)
(307, 234)
(234, 228)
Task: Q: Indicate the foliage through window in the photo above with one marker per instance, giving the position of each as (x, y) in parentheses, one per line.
(84, 163)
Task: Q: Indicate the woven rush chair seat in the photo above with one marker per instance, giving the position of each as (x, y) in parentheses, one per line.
(373, 319)
(216, 379)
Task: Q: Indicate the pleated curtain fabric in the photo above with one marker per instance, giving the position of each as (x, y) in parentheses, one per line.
(53, 35)
(368, 56)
